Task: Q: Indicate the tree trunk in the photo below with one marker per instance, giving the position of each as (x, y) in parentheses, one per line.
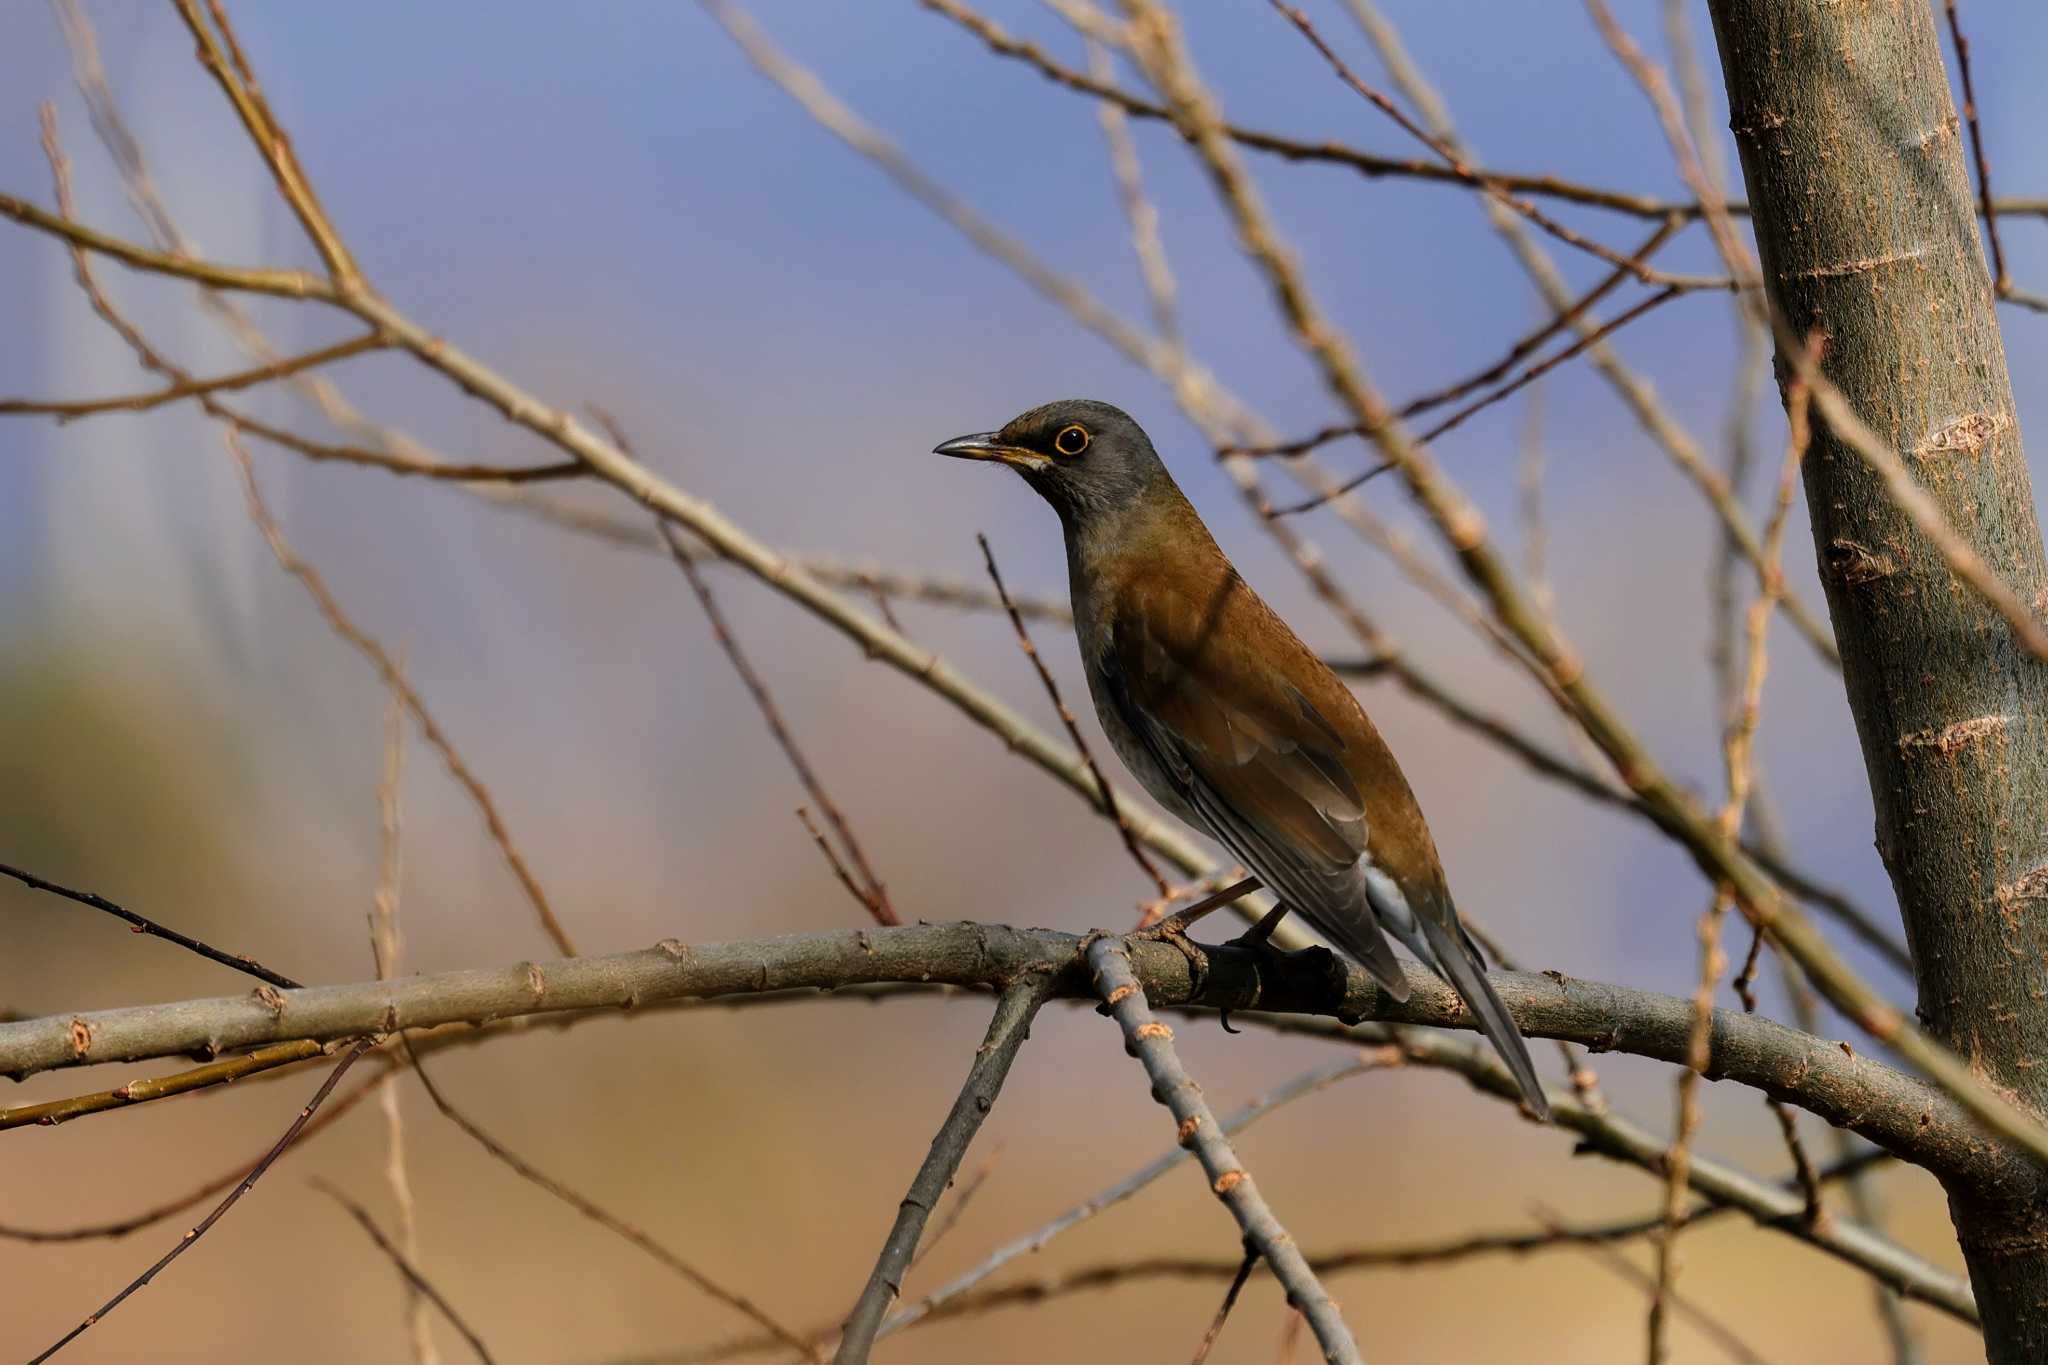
(1868, 235)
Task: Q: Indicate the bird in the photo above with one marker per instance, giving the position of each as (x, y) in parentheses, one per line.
(1230, 722)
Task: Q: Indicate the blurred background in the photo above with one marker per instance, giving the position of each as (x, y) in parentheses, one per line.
(611, 206)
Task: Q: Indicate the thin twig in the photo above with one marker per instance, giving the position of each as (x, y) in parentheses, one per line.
(117, 1228)
(385, 947)
(1290, 1336)
(1244, 1272)
(1635, 392)
(1152, 1042)
(1110, 806)
(868, 887)
(291, 284)
(1310, 1082)
(1803, 1169)
(52, 1112)
(833, 860)
(1138, 208)
(1123, 1272)
(1453, 170)
(200, 1229)
(1864, 1205)
(1712, 1327)
(1451, 393)
(1521, 381)
(330, 609)
(144, 925)
(1458, 168)
(2001, 278)
(527, 1171)
(1738, 749)
(407, 1267)
(239, 85)
(65, 411)
(387, 669)
(1007, 1030)
(398, 463)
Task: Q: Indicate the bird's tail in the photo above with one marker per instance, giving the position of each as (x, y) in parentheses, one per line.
(1466, 973)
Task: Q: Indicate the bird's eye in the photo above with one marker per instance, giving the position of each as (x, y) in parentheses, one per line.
(1071, 440)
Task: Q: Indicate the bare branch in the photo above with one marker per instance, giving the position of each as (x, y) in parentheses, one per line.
(401, 464)
(239, 85)
(1901, 1113)
(1237, 1281)
(527, 1171)
(1519, 382)
(1465, 173)
(145, 925)
(1110, 805)
(191, 388)
(954, 1291)
(291, 284)
(868, 888)
(1636, 393)
(956, 1210)
(1152, 1042)
(418, 1282)
(52, 1112)
(2001, 278)
(200, 1229)
(1007, 1031)
(387, 669)
(385, 945)
(1733, 1346)
(330, 608)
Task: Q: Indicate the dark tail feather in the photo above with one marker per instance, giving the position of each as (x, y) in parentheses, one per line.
(1462, 968)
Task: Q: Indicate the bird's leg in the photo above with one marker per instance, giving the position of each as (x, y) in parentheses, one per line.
(1174, 928)
(1178, 923)
(1257, 935)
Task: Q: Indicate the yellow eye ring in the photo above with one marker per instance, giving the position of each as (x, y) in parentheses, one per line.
(1071, 440)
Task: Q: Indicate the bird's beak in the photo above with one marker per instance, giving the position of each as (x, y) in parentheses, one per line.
(987, 445)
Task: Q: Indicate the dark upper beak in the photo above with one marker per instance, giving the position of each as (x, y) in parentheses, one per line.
(987, 445)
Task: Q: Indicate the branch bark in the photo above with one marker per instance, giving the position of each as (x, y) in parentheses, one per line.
(1916, 1121)
(1868, 236)
(1151, 1042)
(1006, 1034)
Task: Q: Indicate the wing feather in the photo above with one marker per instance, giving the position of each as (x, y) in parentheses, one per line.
(1253, 756)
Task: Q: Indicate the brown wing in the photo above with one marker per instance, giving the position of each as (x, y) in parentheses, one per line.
(1290, 774)
(1207, 680)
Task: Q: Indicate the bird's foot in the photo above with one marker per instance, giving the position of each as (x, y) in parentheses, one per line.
(1180, 921)
(1258, 935)
(1258, 941)
(1173, 932)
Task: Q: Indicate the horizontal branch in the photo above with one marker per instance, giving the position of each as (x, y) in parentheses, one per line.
(1906, 1116)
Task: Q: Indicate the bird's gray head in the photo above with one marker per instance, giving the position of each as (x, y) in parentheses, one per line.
(1086, 458)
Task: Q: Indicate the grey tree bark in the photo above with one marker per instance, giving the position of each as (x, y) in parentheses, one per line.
(1868, 236)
